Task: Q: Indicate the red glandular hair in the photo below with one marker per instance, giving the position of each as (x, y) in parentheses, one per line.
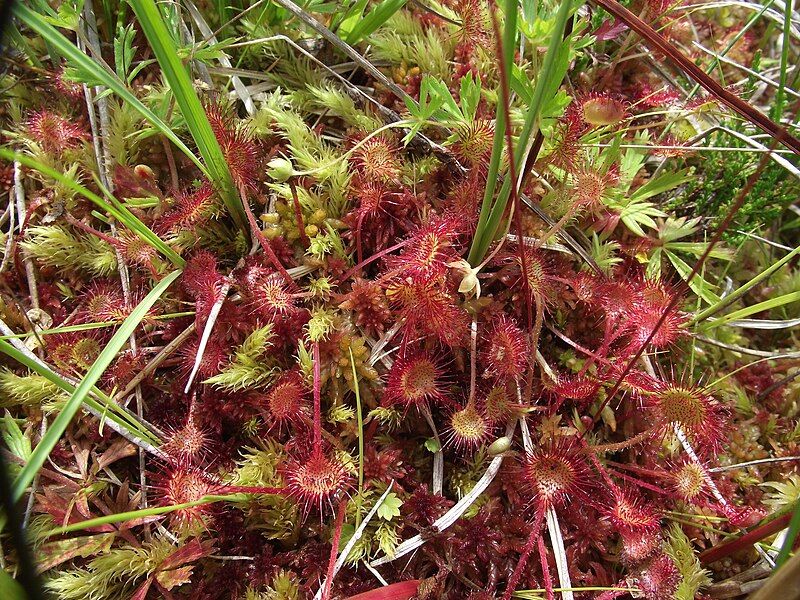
(652, 300)
(191, 208)
(428, 307)
(316, 480)
(467, 428)
(267, 293)
(415, 380)
(102, 301)
(214, 357)
(505, 350)
(188, 444)
(540, 282)
(430, 248)
(53, 132)
(76, 351)
(701, 417)
(180, 484)
(285, 402)
(242, 154)
(637, 523)
(474, 144)
(598, 109)
(498, 404)
(556, 473)
(377, 159)
(658, 578)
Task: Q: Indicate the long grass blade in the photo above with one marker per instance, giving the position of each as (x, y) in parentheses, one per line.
(554, 67)
(136, 514)
(180, 83)
(740, 291)
(97, 401)
(756, 308)
(59, 425)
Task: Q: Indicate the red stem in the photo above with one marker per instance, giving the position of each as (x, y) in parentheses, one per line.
(337, 536)
(512, 167)
(748, 539)
(372, 258)
(548, 581)
(264, 243)
(91, 230)
(246, 489)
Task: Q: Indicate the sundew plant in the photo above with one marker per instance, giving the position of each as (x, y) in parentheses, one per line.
(372, 299)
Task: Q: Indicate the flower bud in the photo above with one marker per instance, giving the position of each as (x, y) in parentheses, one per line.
(280, 169)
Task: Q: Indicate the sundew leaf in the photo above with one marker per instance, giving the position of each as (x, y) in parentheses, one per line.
(59, 425)
(156, 32)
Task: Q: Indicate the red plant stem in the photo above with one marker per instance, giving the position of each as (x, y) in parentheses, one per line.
(317, 402)
(372, 258)
(298, 215)
(337, 536)
(748, 539)
(264, 243)
(526, 552)
(656, 41)
(676, 298)
(548, 581)
(91, 230)
(616, 447)
(643, 484)
(590, 452)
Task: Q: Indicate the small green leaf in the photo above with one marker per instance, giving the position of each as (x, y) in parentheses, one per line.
(16, 441)
(390, 507)
(433, 445)
(374, 19)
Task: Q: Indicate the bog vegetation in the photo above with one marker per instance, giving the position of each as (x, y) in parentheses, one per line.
(473, 299)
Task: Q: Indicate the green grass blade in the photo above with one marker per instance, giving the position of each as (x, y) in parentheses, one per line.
(137, 514)
(59, 425)
(77, 58)
(10, 588)
(104, 404)
(374, 19)
(509, 43)
(116, 209)
(152, 24)
(747, 311)
(791, 536)
(554, 67)
(740, 291)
